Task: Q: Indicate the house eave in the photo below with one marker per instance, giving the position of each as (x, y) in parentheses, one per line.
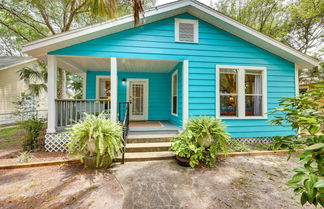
(40, 48)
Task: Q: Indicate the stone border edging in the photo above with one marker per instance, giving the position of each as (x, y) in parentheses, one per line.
(258, 153)
(38, 164)
(75, 161)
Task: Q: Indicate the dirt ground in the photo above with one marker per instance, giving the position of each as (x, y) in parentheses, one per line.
(237, 182)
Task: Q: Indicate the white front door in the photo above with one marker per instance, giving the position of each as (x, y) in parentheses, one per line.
(137, 91)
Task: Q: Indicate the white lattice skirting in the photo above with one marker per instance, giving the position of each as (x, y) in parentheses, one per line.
(254, 140)
(57, 142)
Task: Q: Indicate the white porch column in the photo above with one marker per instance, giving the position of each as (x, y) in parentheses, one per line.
(113, 87)
(296, 81)
(84, 85)
(185, 94)
(52, 92)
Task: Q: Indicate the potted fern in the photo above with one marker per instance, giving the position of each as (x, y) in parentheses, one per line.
(202, 138)
(96, 140)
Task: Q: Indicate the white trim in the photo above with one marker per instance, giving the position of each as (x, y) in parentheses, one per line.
(19, 63)
(98, 77)
(177, 21)
(296, 81)
(174, 74)
(146, 99)
(241, 91)
(84, 85)
(113, 88)
(52, 93)
(190, 6)
(185, 94)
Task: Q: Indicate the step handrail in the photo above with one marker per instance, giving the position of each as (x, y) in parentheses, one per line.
(125, 126)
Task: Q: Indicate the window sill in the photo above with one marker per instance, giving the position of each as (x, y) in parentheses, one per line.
(175, 115)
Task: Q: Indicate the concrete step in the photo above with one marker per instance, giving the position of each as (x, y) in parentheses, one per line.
(148, 147)
(147, 156)
(152, 138)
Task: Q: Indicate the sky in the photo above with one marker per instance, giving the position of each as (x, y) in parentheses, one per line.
(159, 2)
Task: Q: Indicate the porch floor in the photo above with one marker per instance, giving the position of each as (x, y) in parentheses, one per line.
(153, 126)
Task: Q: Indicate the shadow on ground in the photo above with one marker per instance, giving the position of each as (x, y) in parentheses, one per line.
(237, 182)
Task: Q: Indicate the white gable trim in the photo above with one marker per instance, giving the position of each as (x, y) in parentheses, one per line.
(19, 63)
(42, 47)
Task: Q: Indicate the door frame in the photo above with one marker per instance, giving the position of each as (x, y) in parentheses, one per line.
(146, 100)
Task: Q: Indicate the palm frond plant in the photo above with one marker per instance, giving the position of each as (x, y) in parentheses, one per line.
(201, 140)
(96, 140)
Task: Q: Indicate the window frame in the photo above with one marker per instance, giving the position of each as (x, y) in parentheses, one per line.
(241, 91)
(175, 73)
(177, 21)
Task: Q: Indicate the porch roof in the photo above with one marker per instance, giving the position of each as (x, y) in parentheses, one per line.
(80, 65)
(41, 47)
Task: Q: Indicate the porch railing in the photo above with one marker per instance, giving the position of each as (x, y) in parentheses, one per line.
(70, 111)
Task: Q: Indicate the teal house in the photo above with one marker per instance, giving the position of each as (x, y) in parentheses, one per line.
(185, 59)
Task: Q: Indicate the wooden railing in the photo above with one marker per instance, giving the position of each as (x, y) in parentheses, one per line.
(70, 111)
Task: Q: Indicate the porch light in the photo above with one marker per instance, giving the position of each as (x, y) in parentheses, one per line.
(124, 81)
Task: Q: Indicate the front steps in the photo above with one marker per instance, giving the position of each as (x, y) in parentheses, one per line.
(148, 146)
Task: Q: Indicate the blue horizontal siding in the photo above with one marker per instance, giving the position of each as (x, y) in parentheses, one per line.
(159, 91)
(215, 47)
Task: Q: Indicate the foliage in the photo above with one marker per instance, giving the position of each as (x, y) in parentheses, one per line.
(236, 146)
(26, 106)
(33, 128)
(96, 136)
(304, 114)
(35, 78)
(24, 157)
(207, 131)
(202, 138)
(297, 24)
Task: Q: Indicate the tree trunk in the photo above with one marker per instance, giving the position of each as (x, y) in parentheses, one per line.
(61, 84)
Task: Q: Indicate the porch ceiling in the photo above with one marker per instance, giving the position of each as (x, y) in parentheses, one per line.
(78, 64)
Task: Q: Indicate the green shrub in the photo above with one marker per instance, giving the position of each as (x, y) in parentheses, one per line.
(98, 137)
(202, 138)
(24, 157)
(304, 115)
(34, 128)
(238, 147)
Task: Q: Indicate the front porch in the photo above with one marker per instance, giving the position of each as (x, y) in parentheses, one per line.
(157, 90)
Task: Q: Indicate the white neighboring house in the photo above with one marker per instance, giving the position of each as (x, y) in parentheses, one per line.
(11, 86)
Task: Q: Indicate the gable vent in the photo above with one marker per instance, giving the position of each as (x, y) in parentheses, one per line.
(186, 30)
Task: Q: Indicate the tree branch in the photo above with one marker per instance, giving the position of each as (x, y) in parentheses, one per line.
(14, 30)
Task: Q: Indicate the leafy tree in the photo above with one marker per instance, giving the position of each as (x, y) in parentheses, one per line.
(306, 24)
(25, 21)
(298, 24)
(304, 114)
(35, 78)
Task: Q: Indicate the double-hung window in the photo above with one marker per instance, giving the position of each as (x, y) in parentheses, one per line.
(241, 92)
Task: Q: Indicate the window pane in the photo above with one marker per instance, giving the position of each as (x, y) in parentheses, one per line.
(228, 81)
(175, 84)
(253, 82)
(253, 105)
(174, 105)
(228, 105)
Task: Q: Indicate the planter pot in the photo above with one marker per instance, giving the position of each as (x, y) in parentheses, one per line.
(183, 161)
(90, 162)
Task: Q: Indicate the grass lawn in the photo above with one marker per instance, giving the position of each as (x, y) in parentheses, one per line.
(10, 137)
